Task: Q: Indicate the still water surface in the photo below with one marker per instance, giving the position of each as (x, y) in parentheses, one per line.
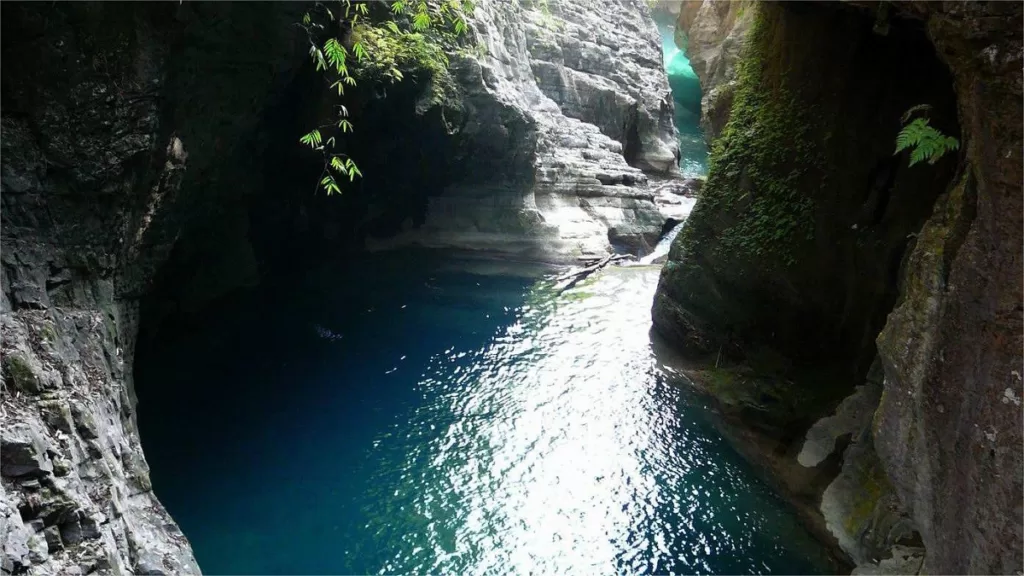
(426, 414)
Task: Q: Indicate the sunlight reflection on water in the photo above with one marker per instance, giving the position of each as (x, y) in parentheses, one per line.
(566, 454)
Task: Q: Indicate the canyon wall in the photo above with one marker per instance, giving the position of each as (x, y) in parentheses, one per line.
(151, 166)
(574, 95)
(811, 239)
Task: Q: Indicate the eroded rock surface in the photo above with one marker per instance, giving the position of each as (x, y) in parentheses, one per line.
(104, 113)
(573, 97)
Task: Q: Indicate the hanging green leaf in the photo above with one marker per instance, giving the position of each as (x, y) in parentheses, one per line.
(336, 54)
(312, 139)
(421, 21)
(359, 51)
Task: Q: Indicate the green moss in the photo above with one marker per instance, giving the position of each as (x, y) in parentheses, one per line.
(764, 154)
(873, 485)
(21, 374)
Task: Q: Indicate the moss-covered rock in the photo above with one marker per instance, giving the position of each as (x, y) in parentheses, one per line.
(20, 373)
(798, 234)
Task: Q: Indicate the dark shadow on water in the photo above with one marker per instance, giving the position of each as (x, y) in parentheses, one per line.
(261, 412)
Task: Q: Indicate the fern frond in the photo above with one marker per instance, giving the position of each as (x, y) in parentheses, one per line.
(924, 142)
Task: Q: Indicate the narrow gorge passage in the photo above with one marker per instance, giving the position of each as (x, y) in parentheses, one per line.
(693, 149)
(423, 413)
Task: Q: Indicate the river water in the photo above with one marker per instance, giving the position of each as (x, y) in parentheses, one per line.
(423, 413)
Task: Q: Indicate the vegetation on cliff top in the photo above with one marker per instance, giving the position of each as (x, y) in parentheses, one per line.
(379, 42)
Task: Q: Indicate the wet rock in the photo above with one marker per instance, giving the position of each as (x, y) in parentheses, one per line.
(851, 417)
(947, 433)
(23, 452)
(85, 424)
(573, 107)
(71, 531)
(688, 187)
(90, 527)
(16, 549)
(56, 414)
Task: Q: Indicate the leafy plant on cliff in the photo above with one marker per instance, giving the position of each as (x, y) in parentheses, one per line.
(376, 41)
(924, 141)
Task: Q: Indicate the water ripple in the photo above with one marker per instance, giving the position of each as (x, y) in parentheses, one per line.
(567, 453)
(482, 425)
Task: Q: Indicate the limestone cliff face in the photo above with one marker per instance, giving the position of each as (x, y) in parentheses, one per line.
(714, 31)
(573, 94)
(803, 180)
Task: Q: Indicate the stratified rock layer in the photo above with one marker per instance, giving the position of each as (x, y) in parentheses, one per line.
(573, 96)
(113, 137)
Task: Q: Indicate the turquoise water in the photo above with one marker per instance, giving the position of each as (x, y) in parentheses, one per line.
(686, 93)
(422, 414)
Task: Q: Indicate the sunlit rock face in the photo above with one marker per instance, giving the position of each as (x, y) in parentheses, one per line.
(571, 99)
